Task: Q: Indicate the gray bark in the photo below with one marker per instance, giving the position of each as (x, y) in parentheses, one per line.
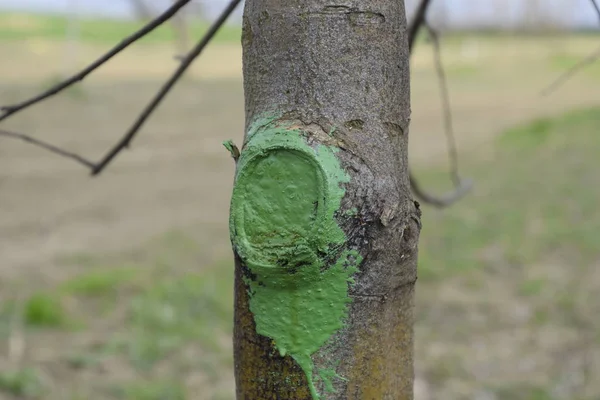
(342, 64)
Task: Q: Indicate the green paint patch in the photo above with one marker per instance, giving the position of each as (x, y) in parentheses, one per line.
(327, 375)
(283, 225)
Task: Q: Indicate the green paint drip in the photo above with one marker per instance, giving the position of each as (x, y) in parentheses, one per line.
(327, 376)
(283, 226)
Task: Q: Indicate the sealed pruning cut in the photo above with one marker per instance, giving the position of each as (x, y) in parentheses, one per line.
(283, 226)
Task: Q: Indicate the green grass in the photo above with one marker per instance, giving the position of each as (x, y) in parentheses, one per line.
(532, 287)
(20, 26)
(565, 62)
(170, 319)
(163, 307)
(161, 390)
(177, 311)
(45, 310)
(524, 393)
(100, 282)
(538, 196)
(22, 383)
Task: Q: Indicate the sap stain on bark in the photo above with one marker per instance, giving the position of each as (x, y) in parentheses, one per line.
(283, 227)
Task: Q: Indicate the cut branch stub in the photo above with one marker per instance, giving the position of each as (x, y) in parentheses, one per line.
(283, 228)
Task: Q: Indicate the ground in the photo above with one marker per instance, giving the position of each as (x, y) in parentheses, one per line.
(119, 287)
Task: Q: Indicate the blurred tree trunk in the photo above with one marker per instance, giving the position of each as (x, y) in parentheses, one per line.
(179, 22)
(323, 225)
(142, 10)
(180, 26)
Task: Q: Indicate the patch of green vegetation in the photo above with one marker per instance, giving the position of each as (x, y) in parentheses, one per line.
(565, 61)
(22, 383)
(45, 311)
(99, 282)
(168, 312)
(524, 393)
(529, 136)
(542, 199)
(538, 132)
(161, 390)
(445, 368)
(541, 317)
(19, 26)
(532, 287)
(164, 318)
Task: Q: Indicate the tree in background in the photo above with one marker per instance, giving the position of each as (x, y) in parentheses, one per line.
(179, 21)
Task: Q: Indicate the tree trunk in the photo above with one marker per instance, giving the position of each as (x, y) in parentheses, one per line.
(322, 222)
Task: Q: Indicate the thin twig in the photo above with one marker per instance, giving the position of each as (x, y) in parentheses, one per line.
(187, 61)
(445, 98)
(12, 109)
(568, 74)
(444, 200)
(558, 82)
(48, 146)
(462, 187)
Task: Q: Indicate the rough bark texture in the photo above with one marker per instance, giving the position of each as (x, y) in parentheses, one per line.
(339, 71)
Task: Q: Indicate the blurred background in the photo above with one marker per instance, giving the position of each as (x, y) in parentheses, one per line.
(120, 286)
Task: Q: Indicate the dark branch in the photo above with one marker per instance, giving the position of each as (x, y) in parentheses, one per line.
(96, 168)
(417, 22)
(446, 106)
(461, 187)
(187, 61)
(568, 74)
(47, 146)
(12, 109)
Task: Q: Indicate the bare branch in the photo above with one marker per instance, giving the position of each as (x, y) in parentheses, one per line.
(446, 106)
(461, 187)
(590, 59)
(444, 200)
(96, 168)
(187, 61)
(558, 82)
(12, 109)
(417, 23)
(48, 146)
